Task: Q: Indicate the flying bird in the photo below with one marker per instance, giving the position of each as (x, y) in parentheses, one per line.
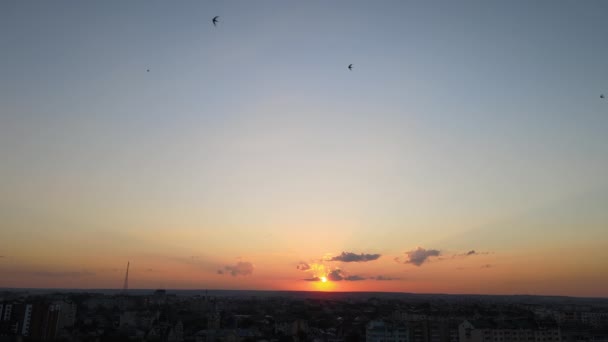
(147, 70)
(214, 20)
(350, 67)
(602, 96)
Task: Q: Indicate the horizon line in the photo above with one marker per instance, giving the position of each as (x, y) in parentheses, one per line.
(302, 291)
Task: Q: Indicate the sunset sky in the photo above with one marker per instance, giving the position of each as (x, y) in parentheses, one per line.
(466, 152)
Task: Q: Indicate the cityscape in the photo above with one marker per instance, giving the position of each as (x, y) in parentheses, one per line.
(273, 316)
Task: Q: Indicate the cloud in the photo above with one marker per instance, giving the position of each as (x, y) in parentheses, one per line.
(385, 278)
(470, 253)
(241, 268)
(335, 275)
(313, 279)
(353, 257)
(420, 255)
(338, 275)
(303, 266)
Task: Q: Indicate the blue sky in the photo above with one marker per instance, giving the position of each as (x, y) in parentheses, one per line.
(457, 115)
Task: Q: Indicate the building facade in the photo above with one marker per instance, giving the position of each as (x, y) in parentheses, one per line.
(507, 331)
(379, 331)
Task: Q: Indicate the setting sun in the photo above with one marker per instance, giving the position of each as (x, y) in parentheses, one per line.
(328, 164)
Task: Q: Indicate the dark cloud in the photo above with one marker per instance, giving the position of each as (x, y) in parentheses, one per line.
(420, 255)
(335, 275)
(470, 253)
(303, 266)
(241, 268)
(338, 275)
(353, 257)
(385, 278)
(313, 279)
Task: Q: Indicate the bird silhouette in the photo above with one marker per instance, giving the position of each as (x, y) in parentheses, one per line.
(602, 96)
(147, 70)
(214, 20)
(350, 67)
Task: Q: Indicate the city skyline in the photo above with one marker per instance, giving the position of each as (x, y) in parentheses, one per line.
(464, 152)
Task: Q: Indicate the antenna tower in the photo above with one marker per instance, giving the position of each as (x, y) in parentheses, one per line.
(125, 287)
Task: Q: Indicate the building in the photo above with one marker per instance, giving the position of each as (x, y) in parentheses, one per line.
(379, 331)
(595, 319)
(507, 331)
(37, 320)
(67, 314)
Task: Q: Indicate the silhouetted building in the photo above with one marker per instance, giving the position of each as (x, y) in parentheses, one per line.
(379, 331)
(38, 320)
(506, 331)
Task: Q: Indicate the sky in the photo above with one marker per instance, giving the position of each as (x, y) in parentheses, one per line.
(466, 152)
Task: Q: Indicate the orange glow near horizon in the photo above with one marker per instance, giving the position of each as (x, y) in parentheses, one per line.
(473, 274)
(325, 285)
(383, 178)
(481, 273)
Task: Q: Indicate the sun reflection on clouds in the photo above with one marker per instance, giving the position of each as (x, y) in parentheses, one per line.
(320, 275)
(318, 270)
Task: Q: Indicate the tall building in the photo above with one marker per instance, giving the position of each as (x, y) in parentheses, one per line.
(9, 324)
(37, 320)
(67, 314)
(44, 319)
(27, 320)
